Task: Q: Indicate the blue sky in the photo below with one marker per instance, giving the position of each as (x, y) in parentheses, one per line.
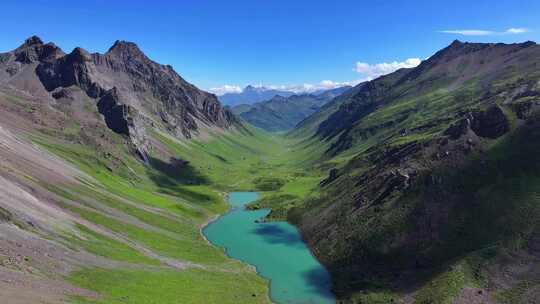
(273, 42)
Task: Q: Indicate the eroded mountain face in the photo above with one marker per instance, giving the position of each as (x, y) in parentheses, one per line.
(129, 90)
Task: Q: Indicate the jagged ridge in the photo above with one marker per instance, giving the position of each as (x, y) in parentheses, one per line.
(131, 90)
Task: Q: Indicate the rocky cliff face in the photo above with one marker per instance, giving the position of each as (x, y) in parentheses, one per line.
(130, 90)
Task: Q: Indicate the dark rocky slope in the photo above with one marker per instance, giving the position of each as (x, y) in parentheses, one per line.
(442, 167)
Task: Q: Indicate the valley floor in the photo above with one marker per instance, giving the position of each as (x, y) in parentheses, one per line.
(83, 221)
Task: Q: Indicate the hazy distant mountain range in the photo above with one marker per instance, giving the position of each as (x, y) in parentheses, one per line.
(251, 94)
(281, 113)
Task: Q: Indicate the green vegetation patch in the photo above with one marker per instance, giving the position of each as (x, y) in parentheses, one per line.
(280, 204)
(122, 286)
(375, 297)
(272, 201)
(164, 244)
(5, 216)
(101, 245)
(268, 183)
(445, 287)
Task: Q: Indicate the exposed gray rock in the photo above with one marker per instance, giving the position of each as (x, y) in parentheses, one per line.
(490, 123)
(124, 119)
(33, 50)
(459, 128)
(332, 175)
(524, 109)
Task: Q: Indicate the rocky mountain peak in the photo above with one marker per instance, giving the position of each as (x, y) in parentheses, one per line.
(457, 49)
(32, 41)
(456, 43)
(50, 51)
(33, 49)
(125, 49)
(468, 54)
(80, 55)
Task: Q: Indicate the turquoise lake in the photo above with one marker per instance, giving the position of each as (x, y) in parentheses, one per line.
(275, 249)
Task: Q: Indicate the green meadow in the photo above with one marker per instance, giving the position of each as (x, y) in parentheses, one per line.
(152, 207)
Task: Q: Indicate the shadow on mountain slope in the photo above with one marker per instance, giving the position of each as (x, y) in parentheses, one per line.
(171, 176)
(471, 215)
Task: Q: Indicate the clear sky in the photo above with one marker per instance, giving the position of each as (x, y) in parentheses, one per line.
(273, 42)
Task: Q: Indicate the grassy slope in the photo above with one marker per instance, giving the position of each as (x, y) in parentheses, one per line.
(173, 208)
(188, 286)
(236, 162)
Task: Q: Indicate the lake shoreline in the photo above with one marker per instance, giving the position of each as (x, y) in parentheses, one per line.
(216, 218)
(274, 250)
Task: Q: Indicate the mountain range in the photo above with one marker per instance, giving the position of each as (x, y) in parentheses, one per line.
(128, 89)
(283, 113)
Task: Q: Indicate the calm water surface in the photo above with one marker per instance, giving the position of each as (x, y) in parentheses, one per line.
(275, 249)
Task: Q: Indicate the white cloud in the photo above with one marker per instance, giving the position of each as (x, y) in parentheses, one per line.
(510, 31)
(368, 72)
(519, 30)
(224, 89)
(469, 32)
(371, 71)
(296, 88)
(313, 87)
(310, 87)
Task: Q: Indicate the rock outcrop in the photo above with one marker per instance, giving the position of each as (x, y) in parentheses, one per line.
(490, 123)
(124, 119)
(34, 50)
